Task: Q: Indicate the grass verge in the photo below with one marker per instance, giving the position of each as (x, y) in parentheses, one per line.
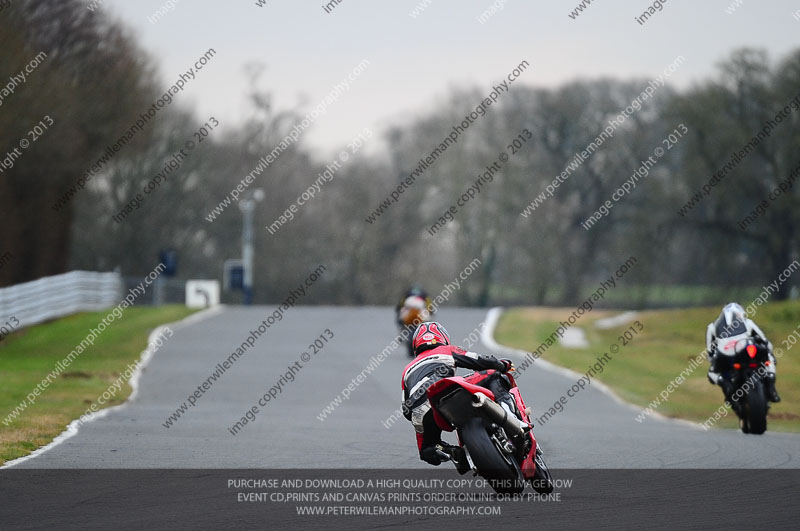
(28, 356)
(658, 354)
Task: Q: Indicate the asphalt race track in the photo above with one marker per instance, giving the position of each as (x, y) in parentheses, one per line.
(593, 431)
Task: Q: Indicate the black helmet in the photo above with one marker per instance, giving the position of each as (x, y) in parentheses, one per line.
(416, 291)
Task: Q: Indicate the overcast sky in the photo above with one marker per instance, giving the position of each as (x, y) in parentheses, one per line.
(413, 61)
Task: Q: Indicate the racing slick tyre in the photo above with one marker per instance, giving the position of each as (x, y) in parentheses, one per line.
(492, 462)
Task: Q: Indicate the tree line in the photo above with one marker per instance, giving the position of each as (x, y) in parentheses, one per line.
(682, 221)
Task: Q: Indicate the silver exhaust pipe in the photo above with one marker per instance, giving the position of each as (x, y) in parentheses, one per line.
(497, 414)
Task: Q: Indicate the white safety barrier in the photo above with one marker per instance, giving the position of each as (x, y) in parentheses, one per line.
(51, 297)
(202, 293)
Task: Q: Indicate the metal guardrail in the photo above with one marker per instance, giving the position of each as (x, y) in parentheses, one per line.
(51, 297)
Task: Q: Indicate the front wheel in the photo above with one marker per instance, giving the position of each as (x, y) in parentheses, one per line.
(493, 464)
(756, 409)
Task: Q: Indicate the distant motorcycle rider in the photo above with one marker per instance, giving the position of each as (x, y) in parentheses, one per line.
(731, 326)
(414, 298)
(437, 359)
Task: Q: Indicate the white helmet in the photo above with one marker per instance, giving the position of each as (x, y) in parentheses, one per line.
(731, 321)
(733, 311)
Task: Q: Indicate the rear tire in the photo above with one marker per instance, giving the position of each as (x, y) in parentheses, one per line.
(756, 409)
(542, 481)
(501, 471)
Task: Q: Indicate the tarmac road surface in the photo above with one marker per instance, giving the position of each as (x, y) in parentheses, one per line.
(593, 431)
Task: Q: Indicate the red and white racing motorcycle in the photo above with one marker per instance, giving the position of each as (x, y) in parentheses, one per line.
(497, 447)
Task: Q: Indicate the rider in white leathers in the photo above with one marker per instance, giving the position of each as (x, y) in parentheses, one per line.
(722, 335)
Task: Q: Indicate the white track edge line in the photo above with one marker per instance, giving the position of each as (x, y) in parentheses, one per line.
(72, 428)
(487, 337)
